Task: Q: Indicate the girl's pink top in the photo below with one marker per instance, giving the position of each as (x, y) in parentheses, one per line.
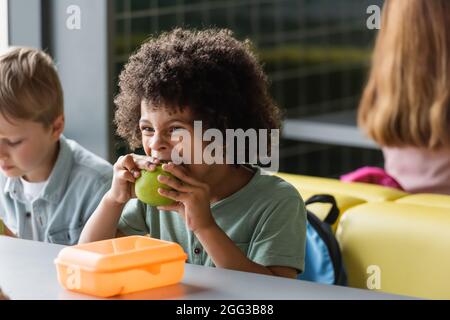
(419, 170)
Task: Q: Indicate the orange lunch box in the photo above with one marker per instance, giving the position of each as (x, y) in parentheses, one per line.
(119, 266)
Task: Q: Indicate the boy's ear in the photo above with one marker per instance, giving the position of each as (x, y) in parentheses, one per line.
(58, 126)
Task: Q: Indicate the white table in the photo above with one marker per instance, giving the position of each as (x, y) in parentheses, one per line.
(27, 271)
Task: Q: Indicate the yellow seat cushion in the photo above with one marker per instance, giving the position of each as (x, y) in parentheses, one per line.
(426, 199)
(363, 191)
(347, 195)
(409, 244)
(321, 209)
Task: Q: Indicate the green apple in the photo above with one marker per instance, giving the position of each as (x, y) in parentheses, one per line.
(146, 187)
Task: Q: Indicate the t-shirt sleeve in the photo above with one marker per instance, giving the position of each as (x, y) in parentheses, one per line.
(133, 219)
(280, 235)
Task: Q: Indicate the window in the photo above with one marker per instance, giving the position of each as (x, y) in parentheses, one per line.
(315, 52)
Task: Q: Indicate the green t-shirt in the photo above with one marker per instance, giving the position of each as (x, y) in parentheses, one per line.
(266, 219)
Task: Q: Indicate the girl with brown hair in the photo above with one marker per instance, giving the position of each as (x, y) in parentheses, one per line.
(405, 106)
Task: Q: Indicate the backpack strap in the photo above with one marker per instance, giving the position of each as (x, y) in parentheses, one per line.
(323, 228)
(333, 214)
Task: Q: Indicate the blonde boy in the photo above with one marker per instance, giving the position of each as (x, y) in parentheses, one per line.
(49, 185)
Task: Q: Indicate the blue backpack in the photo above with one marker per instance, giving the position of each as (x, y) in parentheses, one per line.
(323, 259)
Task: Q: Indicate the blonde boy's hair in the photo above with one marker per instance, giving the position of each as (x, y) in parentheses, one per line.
(407, 99)
(29, 86)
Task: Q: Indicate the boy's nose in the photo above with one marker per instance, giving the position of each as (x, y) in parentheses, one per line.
(158, 143)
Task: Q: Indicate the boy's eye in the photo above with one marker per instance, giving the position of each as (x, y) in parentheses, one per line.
(14, 144)
(176, 129)
(147, 129)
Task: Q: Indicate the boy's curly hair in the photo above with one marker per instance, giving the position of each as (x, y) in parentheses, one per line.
(209, 71)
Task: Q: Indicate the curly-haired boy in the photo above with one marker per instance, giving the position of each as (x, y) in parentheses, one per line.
(236, 217)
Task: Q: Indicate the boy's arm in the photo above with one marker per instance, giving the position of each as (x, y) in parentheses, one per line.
(103, 222)
(226, 254)
(192, 201)
(2, 296)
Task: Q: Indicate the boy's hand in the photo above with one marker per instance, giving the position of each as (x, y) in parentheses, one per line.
(2, 296)
(4, 231)
(126, 170)
(192, 196)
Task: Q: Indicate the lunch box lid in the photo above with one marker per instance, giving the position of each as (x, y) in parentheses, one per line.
(120, 254)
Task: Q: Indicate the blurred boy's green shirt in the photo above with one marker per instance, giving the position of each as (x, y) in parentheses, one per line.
(76, 185)
(266, 219)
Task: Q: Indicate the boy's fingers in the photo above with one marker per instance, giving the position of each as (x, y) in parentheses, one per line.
(172, 207)
(136, 173)
(180, 173)
(172, 194)
(145, 163)
(126, 175)
(174, 183)
(128, 163)
(134, 163)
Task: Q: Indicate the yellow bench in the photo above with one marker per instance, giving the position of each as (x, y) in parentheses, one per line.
(402, 247)
(347, 195)
(363, 191)
(428, 200)
(391, 239)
